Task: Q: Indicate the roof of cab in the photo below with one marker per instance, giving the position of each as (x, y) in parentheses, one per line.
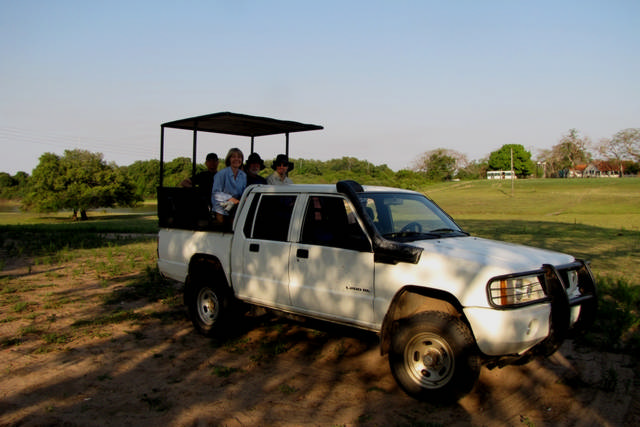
(240, 124)
(322, 188)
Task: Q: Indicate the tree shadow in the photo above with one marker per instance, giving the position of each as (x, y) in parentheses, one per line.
(610, 251)
(51, 239)
(135, 360)
(152, 368)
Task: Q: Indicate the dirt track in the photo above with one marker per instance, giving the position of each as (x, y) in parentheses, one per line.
(147, 367)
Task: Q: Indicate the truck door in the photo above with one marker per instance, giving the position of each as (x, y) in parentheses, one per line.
(331, 267)
(261, 271)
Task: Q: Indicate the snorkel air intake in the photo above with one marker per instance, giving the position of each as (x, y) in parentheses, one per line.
(384, 250)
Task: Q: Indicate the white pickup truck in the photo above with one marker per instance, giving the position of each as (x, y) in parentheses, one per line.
(444, 303)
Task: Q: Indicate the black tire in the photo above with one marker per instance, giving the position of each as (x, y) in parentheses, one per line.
(433, 357)
(209, 308)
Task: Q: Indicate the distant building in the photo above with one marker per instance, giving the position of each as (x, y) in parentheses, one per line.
(593, 170)
(500, 175)
(577, 172)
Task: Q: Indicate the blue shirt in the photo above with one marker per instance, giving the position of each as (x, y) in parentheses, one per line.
(225, 182)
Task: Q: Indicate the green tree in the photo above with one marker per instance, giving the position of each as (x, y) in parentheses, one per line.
(6, 180)
(22, 181)
(7, 186)
(501, 160)
(79, 180)
(631, 168)
(440, 164)
(473, 170)
(13, 187)
(176, 170)
(409, 179)
(146, 176)
(308, 167)
(350, 164)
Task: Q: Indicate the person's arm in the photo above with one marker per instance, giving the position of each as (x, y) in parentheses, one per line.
(218, 185)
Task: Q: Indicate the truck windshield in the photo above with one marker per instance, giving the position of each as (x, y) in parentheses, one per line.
(407, 217)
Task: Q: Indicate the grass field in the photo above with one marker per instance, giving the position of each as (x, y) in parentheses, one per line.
(593, 219)
(607, 203)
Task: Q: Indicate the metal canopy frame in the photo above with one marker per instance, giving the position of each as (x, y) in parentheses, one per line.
(232, 124)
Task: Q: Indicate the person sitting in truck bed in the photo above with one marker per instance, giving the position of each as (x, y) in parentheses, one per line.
(202, 182)
(252, 167)
(228, 186)
(281, 166)
(204, 179)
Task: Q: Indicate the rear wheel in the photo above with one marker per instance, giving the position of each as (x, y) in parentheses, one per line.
(433, 357)
(209, 307)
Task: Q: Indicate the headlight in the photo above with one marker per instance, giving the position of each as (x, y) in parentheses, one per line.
(516, 290)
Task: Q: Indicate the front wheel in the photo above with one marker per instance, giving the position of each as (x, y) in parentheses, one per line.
(208, 308)
(433, 357)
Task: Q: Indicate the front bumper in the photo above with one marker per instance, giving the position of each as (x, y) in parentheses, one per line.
(516, 334)
(562, 321)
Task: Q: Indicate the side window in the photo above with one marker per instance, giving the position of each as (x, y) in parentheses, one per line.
(248, 224)
(330, 221)
(273, 217)
(379, 214)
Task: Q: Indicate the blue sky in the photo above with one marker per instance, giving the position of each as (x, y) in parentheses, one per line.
(389, 80)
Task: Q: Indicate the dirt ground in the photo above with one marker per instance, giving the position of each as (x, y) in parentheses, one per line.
(69, 358)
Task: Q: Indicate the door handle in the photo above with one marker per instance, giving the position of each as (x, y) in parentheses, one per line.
(254, 247)
(302, 253)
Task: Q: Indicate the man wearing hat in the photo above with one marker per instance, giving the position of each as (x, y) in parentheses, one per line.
(204, 180)
(281, 166)
(252, 167)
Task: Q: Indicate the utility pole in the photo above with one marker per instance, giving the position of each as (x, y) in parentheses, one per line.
(513, 175)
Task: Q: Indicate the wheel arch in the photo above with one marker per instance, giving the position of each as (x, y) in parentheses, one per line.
(204, 266)
(411, 300)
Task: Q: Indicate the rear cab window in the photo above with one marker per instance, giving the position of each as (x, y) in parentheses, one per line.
(269, 217)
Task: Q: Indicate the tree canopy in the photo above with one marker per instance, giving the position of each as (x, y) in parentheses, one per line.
(570, 151)
(440, 164)
(501, 160)
(145, 175)
(79, 180)
(628, 143)
(13, 187)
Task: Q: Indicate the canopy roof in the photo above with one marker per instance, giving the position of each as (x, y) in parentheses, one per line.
(239, 124)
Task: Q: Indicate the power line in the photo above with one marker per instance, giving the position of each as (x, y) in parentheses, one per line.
(12, 136)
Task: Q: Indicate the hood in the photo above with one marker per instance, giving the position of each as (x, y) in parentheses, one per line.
(510, 257)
